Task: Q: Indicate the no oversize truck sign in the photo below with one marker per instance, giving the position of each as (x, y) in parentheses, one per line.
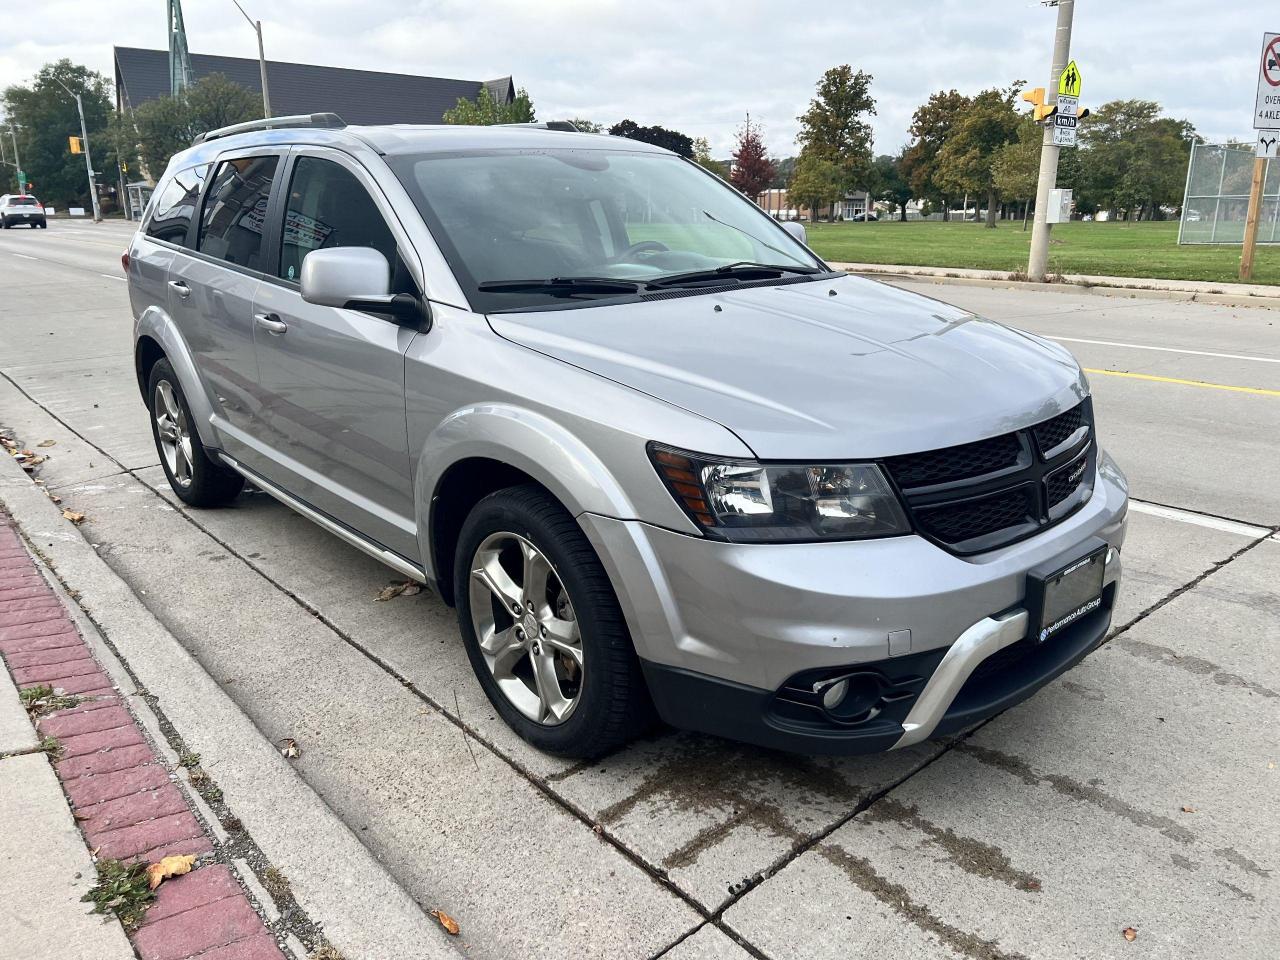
(1266, 111)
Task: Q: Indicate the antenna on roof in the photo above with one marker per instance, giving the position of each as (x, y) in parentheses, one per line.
(181, 75)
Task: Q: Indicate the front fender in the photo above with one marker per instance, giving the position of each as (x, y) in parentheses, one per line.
(526, 440)
(156, 324)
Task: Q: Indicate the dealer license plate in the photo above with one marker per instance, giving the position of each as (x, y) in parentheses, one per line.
(1073, 592)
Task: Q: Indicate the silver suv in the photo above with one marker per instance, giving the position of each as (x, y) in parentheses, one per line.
(663, 460)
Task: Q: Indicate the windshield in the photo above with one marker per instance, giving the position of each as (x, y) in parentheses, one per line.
(22, 201)
(526, 228)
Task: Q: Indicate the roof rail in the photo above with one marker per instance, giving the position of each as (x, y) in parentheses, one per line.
(327, 120)
(564, 125)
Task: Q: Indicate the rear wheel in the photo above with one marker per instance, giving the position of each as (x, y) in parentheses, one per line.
(543, 629)
(194, 476)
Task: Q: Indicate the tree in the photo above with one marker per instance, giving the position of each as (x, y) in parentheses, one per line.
(891, 184)
(964, 162)
(1015, 168)
(702, 157)
(486, 110)
(815, 182)
(835, 127)
(44, 115)
(752, 170)
(1137, 159)
(166, 125)
(587, 126)
(931, 126)
(671, 140)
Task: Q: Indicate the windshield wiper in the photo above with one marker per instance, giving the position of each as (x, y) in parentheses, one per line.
(567, 285)
(743, 270)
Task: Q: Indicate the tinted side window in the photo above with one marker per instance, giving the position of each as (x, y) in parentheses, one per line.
(327, 207)
(175, 205)
(235, 211)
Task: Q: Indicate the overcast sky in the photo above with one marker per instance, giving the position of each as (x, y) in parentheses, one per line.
(697, 66)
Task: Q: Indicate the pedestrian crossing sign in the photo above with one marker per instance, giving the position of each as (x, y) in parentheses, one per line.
(1069, 82)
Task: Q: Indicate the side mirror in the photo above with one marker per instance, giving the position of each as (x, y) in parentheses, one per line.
(796, 229)
(355, 278)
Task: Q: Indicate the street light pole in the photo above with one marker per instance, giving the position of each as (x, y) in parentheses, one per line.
(1038, 263)
(262, 59)
(88, 163)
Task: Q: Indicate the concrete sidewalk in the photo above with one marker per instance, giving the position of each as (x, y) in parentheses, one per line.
(1250, 294)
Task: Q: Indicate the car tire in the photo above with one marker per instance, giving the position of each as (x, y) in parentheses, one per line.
(195, 477)
(44, 224)
(610, 703)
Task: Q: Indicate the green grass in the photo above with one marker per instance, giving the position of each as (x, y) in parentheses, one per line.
(1105, 249)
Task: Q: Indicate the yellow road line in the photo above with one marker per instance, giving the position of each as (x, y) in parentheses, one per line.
(1188, 383)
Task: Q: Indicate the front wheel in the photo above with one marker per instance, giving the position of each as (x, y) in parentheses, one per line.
(194, 476)
(543, 629)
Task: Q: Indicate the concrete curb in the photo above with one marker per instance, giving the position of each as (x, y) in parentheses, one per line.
(334, 877)
(1267, 298)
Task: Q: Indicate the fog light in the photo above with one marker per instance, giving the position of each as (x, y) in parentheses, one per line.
(832, 696)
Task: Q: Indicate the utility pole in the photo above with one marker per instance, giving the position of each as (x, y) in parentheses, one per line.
(262, 59)
(17, 163)
(88, 163)
(1038, 263)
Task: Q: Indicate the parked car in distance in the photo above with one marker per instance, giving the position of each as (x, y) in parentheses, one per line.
(661, 458)
(16, 208)
(870, 217)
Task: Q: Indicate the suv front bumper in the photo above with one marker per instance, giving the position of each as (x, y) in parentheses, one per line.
(733, 637)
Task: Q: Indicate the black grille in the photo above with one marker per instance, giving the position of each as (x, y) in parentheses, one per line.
(1053, 432)
(955, 463)
(978, 496)
(1062, 485)
(959, 522)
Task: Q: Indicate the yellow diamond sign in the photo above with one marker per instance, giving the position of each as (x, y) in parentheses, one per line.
(1069, 82)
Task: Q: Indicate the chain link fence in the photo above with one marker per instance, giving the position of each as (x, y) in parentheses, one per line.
(1217, 197)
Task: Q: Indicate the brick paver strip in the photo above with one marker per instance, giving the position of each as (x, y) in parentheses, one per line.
(121, 793)
(35, 658)
(194, 931)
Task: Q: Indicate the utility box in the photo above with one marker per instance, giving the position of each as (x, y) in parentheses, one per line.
(1059, 206)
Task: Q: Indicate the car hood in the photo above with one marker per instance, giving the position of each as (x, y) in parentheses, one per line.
(843, 368)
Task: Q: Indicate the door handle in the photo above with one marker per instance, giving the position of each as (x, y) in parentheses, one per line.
(180, 288)
(270, 323)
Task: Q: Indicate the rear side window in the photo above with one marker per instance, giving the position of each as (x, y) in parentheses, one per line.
(328, 207)
(235, 211)
(175, 205)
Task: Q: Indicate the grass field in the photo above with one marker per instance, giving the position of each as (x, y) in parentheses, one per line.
(1107, 249)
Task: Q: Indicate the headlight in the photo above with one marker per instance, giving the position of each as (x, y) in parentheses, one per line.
(744, 500)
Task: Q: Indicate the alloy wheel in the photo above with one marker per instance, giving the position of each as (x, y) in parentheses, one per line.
(174, 433)
(526, 627)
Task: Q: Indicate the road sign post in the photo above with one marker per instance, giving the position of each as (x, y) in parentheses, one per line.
(1266, 120)
(1064, 79)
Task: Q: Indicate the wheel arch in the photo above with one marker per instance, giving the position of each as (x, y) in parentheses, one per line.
(156, 337)
(481, 449)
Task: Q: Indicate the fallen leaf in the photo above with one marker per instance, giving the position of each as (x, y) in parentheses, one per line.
(450, 925)
(289, 748)
(1130, 934)
(1188, 809)
(55, 498)
(412, 589)
(393, 590)
(73, 516)
(173, 866)
(1271, 765)
(46, 443)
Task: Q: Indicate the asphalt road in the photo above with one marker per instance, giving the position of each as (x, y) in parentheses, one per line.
(1140, 791)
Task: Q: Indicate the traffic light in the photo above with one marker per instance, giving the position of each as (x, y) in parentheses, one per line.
(77, 145)
(1041, 111)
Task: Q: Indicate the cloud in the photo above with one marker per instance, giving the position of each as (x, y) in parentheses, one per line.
(699, 66)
